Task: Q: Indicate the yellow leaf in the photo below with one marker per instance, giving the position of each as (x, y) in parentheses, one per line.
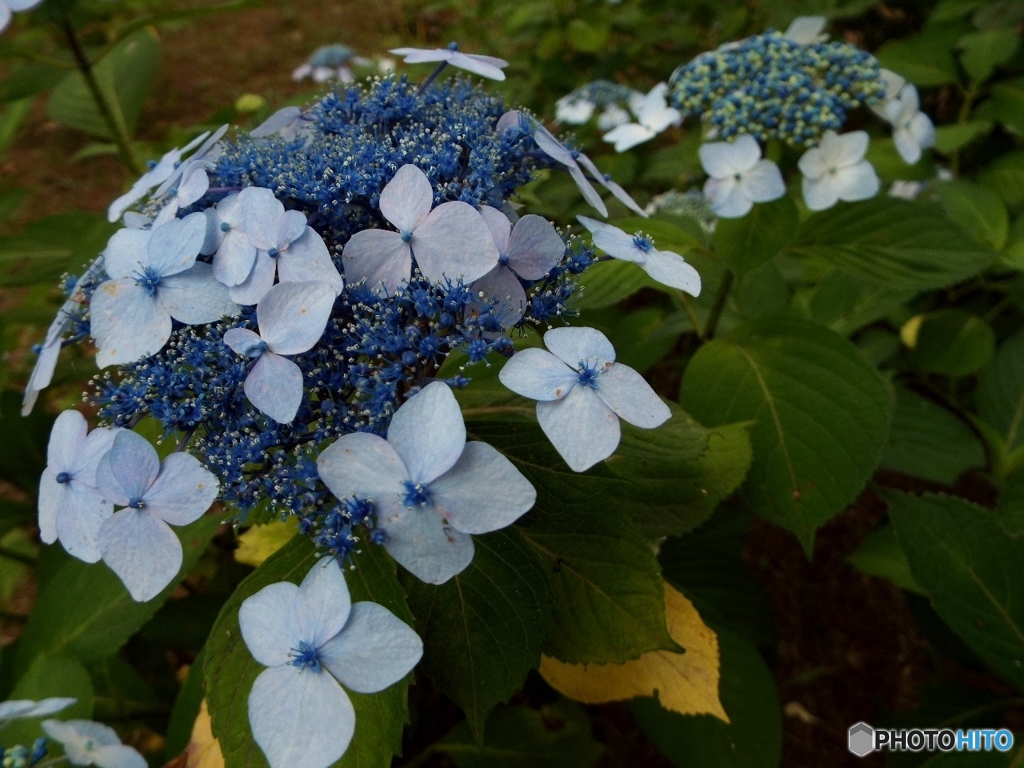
(259, 543)
(203, 750)
(686, 683)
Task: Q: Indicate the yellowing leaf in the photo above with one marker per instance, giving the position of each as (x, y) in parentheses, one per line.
(686, 683)
(203, 750)
(259, 543)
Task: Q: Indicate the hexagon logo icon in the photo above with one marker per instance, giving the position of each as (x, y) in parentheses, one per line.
(861, 739)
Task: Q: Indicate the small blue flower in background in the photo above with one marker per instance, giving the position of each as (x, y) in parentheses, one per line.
(330, 62)
(912, 129)
(89, 743)
(8, 7)
(154, 277)
(529, 251)
(24, 708)
(738, 176)
(450, 241)
(664, 266)
(653, 116)
(583, 393)
(71, 508)
(836, 170)
(292, 318)
(485, 66)
(314, 641)
(578, 107)
(137, 542)
(431, 489)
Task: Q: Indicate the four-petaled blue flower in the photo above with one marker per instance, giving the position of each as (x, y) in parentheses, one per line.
(314, 641)
(485, 66)
(88, 743)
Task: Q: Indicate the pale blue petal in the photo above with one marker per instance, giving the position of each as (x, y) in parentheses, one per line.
(587, 190)
(906, 145)
(483, 492)
(235, 253)
(820, 193)
(627, 136)
(857, 182)
(623, 196)
(672, 270)
(183, 490)
(727, 198)
(128, 469)
(193, 185)
(612, 240)
(195, 296)
(534, 248)
(214, 234)
(323, 603)
(51, 706)
(631, 398)
(142, 550)
(262, 212)
(375, 650)
(500, 283)
(126, 252)
(126, 322)
(500, 226)
(805, 29)
(242, 340)
(379, 257)
(453, 242)
(923, 130)
(118, 756)
(407, 198)
(256, 285)
(419, 55)
(290, 227)
(67, 437)
(538, 374)
(277, 122)
(5, 16)
(428, 432)
(548, 144)
(292, 316)
(581, 427)
(15, 708)
(274, 387)
(174, 246)
(763, 182)
(80, 738)
(300, 718)
(267, 621)
(477, 65)
(42, 373)
(308, 259)
(574, 345)
(83, 510)
(422, 543)
(511, 119)
(364, 465)
(49, 501)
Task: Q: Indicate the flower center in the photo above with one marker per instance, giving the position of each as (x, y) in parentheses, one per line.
(406, 237)
(453, 46)
(225, 227)
(588, 375)
(89, 744)
(273, 253)
(416, 494)
(63, 477)
(305, 657)
(833, 170)
(148, 278)
(257, 349)
(136, 503)
(643, 242)
(738, 176)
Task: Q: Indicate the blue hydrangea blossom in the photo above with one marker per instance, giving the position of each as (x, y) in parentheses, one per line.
(738, 177)
(314, 641)
(653, 115)
(485, 66)
(430, 488)
(583, 393)
(89, 743)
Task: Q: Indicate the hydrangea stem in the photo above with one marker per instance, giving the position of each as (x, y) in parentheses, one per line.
(117, 129)
(716, 309)
(432, 76)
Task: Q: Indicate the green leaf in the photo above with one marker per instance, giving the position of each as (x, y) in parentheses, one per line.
(587, 37)
(975, 208)
(950, 138)
(972, 570)
(124, 76)
(50, 676)
(186, 709)
(1006, 103)
(609, 601)
(1005, 176)
(609, 282)
(555, 736)
(981, 52)
(929, 442)
(925, 59)
(880, 555)
(752, 738)
(230, 669)
(85, 612)
(483, 629)
(1010, 509)
(50, 246)
(1001, 391)
(846, 303)
(899, 244)
(953, 342)
(28, 80)
(821, 416)
(23, 448)
(748, 242)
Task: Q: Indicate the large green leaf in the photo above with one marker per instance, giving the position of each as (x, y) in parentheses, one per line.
(609, 282)
(230, 669)
(124, 76)
(1005, 175)
(926, 58)
(85, 612)
(972, 570)
(879, 554)
(975, 208)
(899, 244)
(748, 242)
(1001, 391)
(483, 629)
(1007, 103)
(981, 52)
(846, 303)
(821, 416)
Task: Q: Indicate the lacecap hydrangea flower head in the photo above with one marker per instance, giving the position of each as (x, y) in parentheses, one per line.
(280, 303)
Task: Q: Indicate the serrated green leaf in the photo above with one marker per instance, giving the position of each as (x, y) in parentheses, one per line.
(749, 241)
(483, 630)
(975, 208)
(973, 571)
(1001, 391)
(230, 669)
(85, 612)
(981, 52)
(900, 244)
(879, 554)
(821, 416)
(609, 282)
(846, 303)
(953, 342)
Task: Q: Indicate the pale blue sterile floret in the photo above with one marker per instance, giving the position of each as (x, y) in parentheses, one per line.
(664, 266)
(315, 643)
(738, 177)
(291, 318)
(653, 115)
(485, 66)
(836, 170)
(430, 488)
(137, 542)
(912, 129)
(189, 181)
(71, 507)
(329, 62)
(450, 241)
(577, 107)
(89, 743)
(154, 277)
(583, 393)
(24, 708)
